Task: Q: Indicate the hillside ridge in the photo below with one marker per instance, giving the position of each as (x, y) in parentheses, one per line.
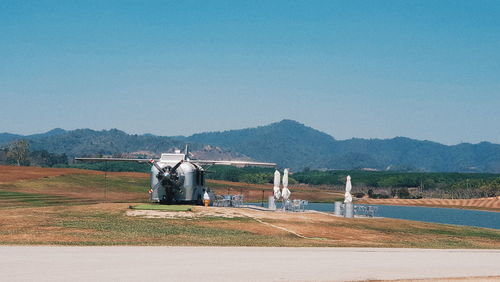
(288, 143)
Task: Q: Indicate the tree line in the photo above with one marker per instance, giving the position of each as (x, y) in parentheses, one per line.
(375, 184)
(18, 153)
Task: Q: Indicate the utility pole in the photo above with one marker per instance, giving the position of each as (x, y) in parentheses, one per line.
(105, 181)
(262, 202)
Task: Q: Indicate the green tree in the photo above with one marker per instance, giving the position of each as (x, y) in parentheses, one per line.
(370, 193)
(18, 150)
(403, 193)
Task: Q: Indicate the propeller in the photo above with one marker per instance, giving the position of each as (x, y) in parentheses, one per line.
(157, 185)
(171, 172)
(160, 170)
(167, 177)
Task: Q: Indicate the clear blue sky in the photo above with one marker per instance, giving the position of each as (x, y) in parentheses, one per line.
(370, 69)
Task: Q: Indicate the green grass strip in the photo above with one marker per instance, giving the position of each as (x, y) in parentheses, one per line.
(176, 208)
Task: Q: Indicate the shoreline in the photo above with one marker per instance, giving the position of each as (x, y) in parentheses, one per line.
(486, 204)
(370, 202)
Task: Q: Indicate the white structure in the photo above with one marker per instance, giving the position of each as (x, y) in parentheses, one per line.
(338, 208)
(276, 188)
(285, 193)
(349, 207)
(348, 187)
(271, 204)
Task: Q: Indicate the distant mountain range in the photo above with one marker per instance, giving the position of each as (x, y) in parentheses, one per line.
(288, 143)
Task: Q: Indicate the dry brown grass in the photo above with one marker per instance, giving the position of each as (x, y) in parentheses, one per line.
(10, 174)
(73, 189)
(108, 224)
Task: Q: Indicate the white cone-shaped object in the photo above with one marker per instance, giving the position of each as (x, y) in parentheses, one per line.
(276, 188)
(348, 187)
(285, 193)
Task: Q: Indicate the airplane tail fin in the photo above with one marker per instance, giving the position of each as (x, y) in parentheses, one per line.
(186, 153)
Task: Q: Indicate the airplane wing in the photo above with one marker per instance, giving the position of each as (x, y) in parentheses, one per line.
(113, 160)
(233, 163)
(201, 162)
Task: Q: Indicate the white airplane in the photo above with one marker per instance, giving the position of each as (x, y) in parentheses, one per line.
(177, 179)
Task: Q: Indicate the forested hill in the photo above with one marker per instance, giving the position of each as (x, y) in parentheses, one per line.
(83, 142)
(8, 137)
(288, 143)
(87, 142)
(295, 145)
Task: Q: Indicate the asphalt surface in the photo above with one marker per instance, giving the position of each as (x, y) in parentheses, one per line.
(49, 263)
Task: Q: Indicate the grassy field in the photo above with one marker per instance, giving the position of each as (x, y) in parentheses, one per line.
(73, 207)
(74, 188)
(109, 224)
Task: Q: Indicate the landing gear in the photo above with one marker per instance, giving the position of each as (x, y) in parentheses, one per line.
(168, 198)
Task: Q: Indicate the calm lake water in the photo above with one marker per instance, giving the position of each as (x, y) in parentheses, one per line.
(438, 215)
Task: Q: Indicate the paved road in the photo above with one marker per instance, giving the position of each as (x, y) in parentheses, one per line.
(239, 264)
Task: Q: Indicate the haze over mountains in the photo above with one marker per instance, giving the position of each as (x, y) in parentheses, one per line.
(288, 143)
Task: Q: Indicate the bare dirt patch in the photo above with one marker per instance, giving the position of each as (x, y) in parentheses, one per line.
(196, 213)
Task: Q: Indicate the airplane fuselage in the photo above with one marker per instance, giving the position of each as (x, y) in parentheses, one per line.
(189, 185)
